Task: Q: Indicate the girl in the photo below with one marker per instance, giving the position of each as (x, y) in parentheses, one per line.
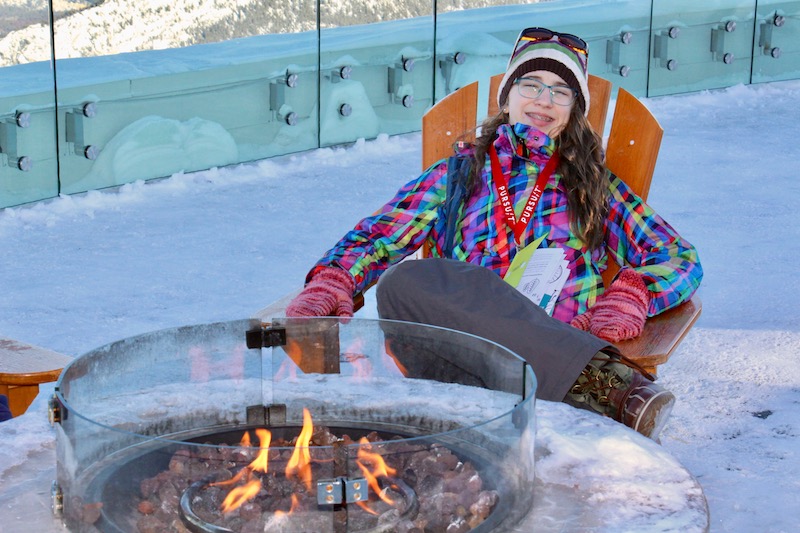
(536, 179)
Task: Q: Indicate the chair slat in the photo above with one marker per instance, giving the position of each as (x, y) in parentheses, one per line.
(444, 123)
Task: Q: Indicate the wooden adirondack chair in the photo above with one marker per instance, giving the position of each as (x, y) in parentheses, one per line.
(632, 150)
(631, 153)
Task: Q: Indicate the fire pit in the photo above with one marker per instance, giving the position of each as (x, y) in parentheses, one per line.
(299, 425)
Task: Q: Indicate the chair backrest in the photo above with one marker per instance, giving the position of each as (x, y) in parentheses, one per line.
(632, 150)
(599, 96)
(451, 117)
(633, 143)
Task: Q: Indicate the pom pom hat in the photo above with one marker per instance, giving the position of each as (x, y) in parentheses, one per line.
(561, 54)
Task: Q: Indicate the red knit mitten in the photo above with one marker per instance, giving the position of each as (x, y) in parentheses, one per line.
(620, 312)
(329, 293)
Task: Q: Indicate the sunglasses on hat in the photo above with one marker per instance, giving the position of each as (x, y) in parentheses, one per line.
(543, 34)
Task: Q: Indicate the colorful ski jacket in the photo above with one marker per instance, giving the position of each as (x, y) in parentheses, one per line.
(634, 234)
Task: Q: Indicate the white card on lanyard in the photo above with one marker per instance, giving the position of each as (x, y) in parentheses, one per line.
(539, 274)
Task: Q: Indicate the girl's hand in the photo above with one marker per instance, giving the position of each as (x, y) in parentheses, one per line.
(620, 312)
(329, 293)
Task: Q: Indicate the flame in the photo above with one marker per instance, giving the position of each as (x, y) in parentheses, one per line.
(379, 468)
(260, 463)
(299, 464)
(295, 352)
(364, 506)
(239, 495)
(390, 360)
(362, 368)
(200, 366)
(293, 508)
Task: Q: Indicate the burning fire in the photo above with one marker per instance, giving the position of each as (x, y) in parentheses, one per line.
(300, 463)
(239, 495)
(379, 468)
(248, 485)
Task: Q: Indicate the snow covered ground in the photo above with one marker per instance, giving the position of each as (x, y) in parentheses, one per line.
(82, 271)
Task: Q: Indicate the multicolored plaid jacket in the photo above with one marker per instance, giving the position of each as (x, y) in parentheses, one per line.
(635, 234)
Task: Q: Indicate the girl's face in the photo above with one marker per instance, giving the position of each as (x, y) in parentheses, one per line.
(540, 113)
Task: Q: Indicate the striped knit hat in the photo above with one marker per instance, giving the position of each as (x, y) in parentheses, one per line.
(551, 56)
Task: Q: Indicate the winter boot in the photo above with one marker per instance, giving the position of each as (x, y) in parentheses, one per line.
(618, 389)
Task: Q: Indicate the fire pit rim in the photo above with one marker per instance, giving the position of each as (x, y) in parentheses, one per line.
(527, 395)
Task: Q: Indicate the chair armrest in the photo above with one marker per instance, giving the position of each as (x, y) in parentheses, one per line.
(661, 335)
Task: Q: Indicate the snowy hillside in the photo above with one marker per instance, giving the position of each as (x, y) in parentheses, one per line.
(85, 29)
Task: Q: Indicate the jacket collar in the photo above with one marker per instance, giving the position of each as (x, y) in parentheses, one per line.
(534, 142)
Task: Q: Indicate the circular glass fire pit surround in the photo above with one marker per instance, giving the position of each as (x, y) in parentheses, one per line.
(300, 425)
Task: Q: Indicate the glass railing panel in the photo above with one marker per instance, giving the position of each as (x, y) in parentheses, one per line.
(375, 68)
(27, 119)
(776, 47)
(700, 45)
(474, 44)
(169, 90)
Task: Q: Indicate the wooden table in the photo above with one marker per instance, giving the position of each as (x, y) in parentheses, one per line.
(22, 368)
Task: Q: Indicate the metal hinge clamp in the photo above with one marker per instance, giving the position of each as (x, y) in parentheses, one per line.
(342, 490)
(266, 337)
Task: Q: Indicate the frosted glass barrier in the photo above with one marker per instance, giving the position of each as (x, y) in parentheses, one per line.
(176, 88)
(28, 167)
(776, 49)
(375, 68)
(700, 45)
(148, 89)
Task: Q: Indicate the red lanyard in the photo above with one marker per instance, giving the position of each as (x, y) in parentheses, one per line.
(501, 183)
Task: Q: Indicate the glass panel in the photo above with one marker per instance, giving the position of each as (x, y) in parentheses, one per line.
(28, 167)
(776, 52)
(162, 91)
(356, 429)
(375, 74)
(129, 399)
(700, 45)
(474, 44)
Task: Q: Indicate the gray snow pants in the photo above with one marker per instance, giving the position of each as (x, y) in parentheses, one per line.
(473, 299)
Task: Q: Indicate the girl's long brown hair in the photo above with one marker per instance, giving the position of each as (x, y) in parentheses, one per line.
(582, 171)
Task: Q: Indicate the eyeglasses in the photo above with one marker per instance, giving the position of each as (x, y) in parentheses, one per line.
(533, 88)
(573, 42)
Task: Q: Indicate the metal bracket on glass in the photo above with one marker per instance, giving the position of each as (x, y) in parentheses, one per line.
(8, 141)
(266, 337)
(266, 415)
(56, 412)
(400, 86)
(718, 41)
(341, 73)
(345, 110)
(447, 63)
(277, 98)
(342, 490)
(661, 47)
(75, 130)
(765, 35)
(614, 52)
